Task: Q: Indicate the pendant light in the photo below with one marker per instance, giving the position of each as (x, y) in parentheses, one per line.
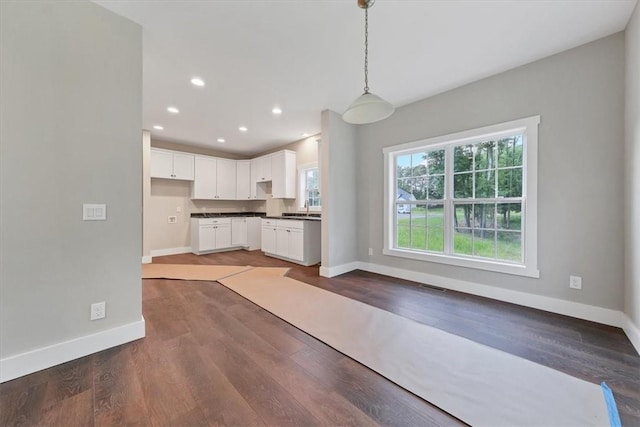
(367, 108)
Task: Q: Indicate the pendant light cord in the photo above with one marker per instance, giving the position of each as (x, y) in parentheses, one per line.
(366, 50)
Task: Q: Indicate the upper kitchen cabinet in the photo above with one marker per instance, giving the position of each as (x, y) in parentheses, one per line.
(171, 165)
(261, 169)
(243, 180)
(283, 185)
(215, 179)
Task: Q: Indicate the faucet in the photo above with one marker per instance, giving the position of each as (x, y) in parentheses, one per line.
(306, 205)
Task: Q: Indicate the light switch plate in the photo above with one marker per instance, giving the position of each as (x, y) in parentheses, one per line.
(94, 212)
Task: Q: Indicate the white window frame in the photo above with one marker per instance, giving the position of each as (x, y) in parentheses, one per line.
(528, 127)
(302, 170)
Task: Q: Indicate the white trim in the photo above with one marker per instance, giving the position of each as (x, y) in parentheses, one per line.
(171, 251)
(632, 331)
(339, 269)
(568, 308)
(46, 357)
(147, 259)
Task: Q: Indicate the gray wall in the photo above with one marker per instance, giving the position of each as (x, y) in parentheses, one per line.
(579, 95)
(71, 109)
(338, 161)
(632, 170)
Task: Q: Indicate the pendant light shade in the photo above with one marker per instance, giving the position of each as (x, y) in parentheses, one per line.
(367, 108)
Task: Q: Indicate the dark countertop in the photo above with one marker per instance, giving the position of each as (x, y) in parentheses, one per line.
(298, 217)
(227, 214)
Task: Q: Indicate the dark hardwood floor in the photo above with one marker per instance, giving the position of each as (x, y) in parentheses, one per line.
(213, 358)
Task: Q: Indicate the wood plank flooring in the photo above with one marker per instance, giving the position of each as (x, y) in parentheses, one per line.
(213, 358)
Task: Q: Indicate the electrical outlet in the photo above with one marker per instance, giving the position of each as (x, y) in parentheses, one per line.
(172, 219)
(179, 209)
(98, 310)
(575, 282)
(370, 251)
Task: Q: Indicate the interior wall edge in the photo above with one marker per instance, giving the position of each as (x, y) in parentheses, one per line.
(45, 357)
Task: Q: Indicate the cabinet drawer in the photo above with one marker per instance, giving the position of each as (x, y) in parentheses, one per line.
(269, 222)
(214, 221)
(294, 224)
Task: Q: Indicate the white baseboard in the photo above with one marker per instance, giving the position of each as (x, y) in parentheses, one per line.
(147, 259)
(632, 331)
(569, 308)
(170, 251)
(339, 269)
(46, 357)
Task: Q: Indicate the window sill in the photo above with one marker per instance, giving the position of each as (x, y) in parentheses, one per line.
(494, 266)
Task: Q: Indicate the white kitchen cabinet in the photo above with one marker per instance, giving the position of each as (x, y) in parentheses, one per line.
(292, 240)
(243, 180)
(238, 232)
(283, 167)
(215, 179)
(261, 168)
(172, 164)
(210, 234)
(268, 241)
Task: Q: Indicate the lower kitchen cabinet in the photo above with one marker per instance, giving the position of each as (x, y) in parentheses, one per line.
(293, 240)
(224, 233)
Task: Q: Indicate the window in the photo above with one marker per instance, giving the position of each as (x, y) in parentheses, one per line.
(467, 199)
(309, 187)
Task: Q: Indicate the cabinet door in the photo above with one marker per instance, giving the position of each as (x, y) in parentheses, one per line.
(206, 238)
(226, 179)
(266, 168)
(204, 185)
(277, 175)
(243, 180)
(183, 166)
(161, 164)
(282, 241)
(239, 232)
(268, 239)
(223, 236)
(296, 245)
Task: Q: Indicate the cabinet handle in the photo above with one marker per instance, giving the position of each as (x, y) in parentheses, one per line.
(288, 231)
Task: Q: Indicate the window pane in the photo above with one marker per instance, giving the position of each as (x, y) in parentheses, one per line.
(435, 216)
(484, 216)
(510, 151)
(462, 186)
(485, 184)
(463, 158)
(419, 164)
(463, 242)
(484, 244)
(509, 246)
(418, 238)
(462, 216)
(435, 239)
(418, 216)
(435, 161)
(404, 239)
(419, 190)
(403, 166)
(485, 153)
(509, 216)
(436, 187)
(510, 182)
(404, 190)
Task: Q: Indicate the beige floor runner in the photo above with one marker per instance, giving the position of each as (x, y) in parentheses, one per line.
(190, 271)
(478, 384)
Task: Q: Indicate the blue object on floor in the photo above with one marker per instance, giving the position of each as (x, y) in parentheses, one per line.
(614, 417)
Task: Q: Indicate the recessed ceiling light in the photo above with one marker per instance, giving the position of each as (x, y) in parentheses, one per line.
(243, 129)
(304, 135)
(220, 140)
(197, 81)
(276, 111)
(158, 127)
(173, 110)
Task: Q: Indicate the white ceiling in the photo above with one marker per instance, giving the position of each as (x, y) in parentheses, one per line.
(307, 55)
